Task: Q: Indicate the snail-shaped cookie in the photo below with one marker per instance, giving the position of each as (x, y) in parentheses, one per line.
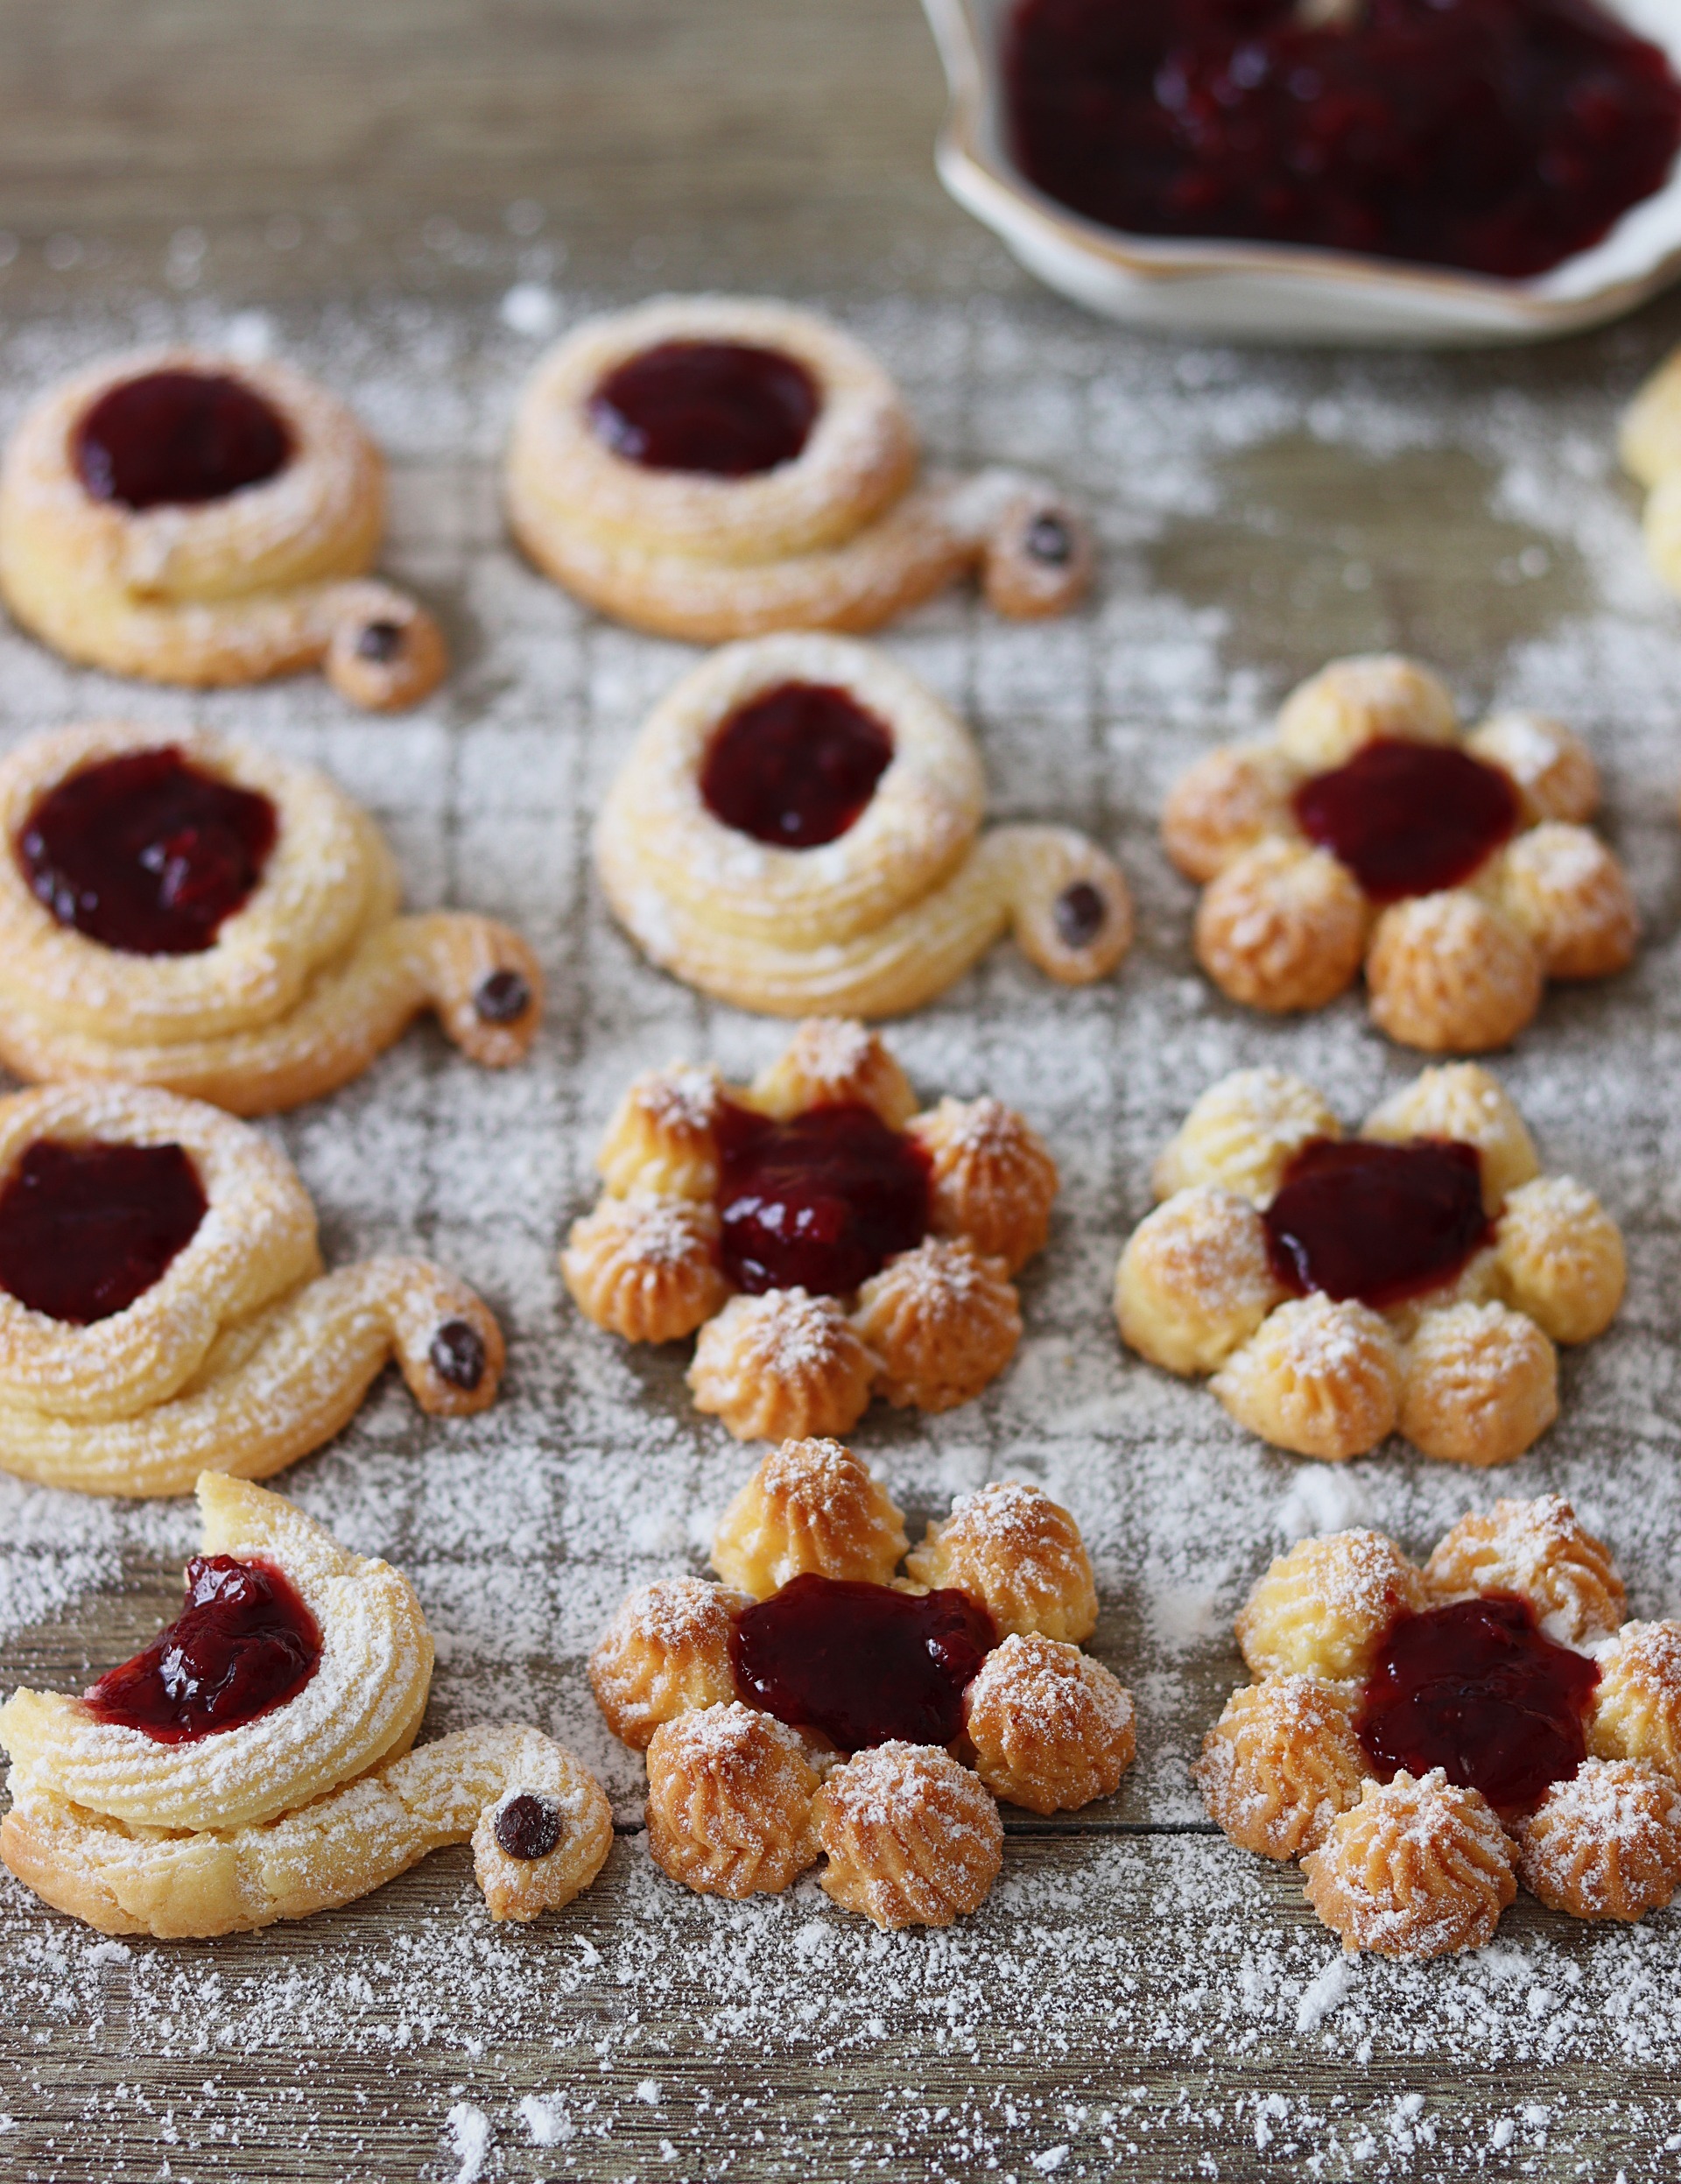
(709, 467)
(1425, 1739)
(815, 1704)
(254, 1762)
(1413, 1278)
(189, 518)
(1457, 872)
(163, 1306)
(798, 827)
(178, 911)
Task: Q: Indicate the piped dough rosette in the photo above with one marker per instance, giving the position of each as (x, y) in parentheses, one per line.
(1425, 1739)
(1413, 1280)
(708, 467)
(164, 1310)
(177, 1804)
(814, 1704)
(825, 1241)
(190, 517)
(180, 910)
(797, 827)
(1458, 871)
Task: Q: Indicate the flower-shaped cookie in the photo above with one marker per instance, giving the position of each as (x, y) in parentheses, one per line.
(1424, 1739)
(814, 1704)
(178, 911)
(1367, 832)
(829, 1242)
(797, 827)
(253, 1763)
(709, 467)
(163, 1306)
(194, 518)
(1413, 1278)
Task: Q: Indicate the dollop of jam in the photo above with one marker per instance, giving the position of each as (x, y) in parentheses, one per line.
(242, 1644)
(728, 409)
(86, 1229)
(146, 854)
(1478, 1691)
(861, 1662)
(819, 1202)
(797, 766)
(1380, 1222)
(1408, 819)
(1499, 137)
(173, 439)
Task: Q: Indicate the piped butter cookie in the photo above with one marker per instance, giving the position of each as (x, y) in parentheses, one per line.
(164, 1310)
(187, 518)
(254, 1762)
(708, 467)
(202, 915)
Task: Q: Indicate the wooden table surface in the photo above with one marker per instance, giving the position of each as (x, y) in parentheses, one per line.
(1164, 2012)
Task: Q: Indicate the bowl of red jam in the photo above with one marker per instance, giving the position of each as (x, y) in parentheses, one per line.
(1389, 172)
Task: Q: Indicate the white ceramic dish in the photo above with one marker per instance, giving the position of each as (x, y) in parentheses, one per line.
(1272, 291)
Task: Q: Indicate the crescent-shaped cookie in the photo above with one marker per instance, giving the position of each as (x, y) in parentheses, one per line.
(186, 517)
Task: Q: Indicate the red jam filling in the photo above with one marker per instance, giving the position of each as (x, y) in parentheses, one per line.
(1499, 137)
(87, 1229)
(1376, 1222)
(146, 854)
(796, 767)
(861, 1662)
(1408, 819)
(242, 1644)
(819, 1203)
(177, 438)
(1476, 1690)
(726, 408)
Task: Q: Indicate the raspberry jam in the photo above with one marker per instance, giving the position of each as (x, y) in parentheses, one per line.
(1476, 1690)
(726, 408)
(87, 1229)
(1499, 137)
(1376, 1222)
(796, 767)
(145, 854)
(177, 438)
(861, 1662)
(1408, 819)
(242, 1644)
(819, 1203)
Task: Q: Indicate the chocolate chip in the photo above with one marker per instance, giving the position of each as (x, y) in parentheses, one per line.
(1079, 914)
(528, 1826)
(503, 998)
(380, 642)
(457, 1355)
(1050, 540)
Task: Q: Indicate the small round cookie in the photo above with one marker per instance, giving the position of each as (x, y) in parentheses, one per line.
(1019, 1553)
(665, 1652)
(709, 467)
(163, 1305)
(913, 1838)
(797, 826)
(812, 1505)
(1049, 1728)
(176, 1800)
(182, 912)
(1417, 1868)
(729, 1802)
(190, 517)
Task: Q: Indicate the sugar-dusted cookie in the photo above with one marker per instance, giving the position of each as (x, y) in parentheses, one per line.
(799, 826)
(708, 467)
(164, 1310)
(1367, 832)
(1413, 1278)
(183, 911)
(188, 517)
(816, 1704)
(254, 1762)
(1425, 1739)
(827, 1242)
